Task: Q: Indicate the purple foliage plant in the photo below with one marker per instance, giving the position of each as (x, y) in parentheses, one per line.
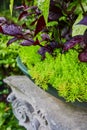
(27, 35)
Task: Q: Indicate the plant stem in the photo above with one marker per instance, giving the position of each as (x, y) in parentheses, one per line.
(81, 6)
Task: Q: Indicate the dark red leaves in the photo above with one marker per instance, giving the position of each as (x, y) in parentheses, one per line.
(23, 15)
(40, 25)
(83, 21)
(85, 37)
(36, 42)
(1, 30)
(83, 56)
(72, 42)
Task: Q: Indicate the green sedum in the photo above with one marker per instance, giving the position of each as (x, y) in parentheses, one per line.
(63, 71)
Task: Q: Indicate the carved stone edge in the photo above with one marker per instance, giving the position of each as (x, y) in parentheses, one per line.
(30, 116)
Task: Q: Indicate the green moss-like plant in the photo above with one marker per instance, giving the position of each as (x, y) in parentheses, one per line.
(64, 72)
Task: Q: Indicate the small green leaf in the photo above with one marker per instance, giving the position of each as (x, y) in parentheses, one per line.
(53, 23)
(78, 29)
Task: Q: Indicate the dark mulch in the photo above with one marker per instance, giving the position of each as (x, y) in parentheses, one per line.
(4, 92)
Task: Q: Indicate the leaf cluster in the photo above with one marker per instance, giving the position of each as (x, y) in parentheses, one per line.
(8, 65)
(7, 55)
(61, 25)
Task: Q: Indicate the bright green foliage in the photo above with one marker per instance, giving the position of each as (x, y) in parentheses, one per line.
(44, 7)
(7, 54)
(78, 29)
(11, 6)
(8, 65)
(64, 72)
(78, 8)
(7, 119)
(30, 55)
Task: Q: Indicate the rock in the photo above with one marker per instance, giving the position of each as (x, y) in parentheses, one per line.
(37, 110)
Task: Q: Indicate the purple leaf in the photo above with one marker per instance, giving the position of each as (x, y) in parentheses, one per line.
(30, 42)
(12, 40)
(31, 8)
(53, 16)
(27, 33)
(23, 15)
(42, 52)
(23, 6)
(55, 45)
(72, 42)
(37, 11)
(83, 56)
(47, 48)
(27, 42)
(55, 12)
(12, 30)
(40, 25)
(83, 21)
(45, 37)
(20, 7)
(2, 20)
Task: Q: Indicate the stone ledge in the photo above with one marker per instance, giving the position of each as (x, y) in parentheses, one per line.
(37, 110)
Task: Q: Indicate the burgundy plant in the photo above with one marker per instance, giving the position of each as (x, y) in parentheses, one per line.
(23, 32)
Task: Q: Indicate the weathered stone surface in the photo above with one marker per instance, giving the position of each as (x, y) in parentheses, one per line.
(40, 110)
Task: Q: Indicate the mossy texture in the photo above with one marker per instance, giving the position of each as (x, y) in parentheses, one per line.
(63, 71)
